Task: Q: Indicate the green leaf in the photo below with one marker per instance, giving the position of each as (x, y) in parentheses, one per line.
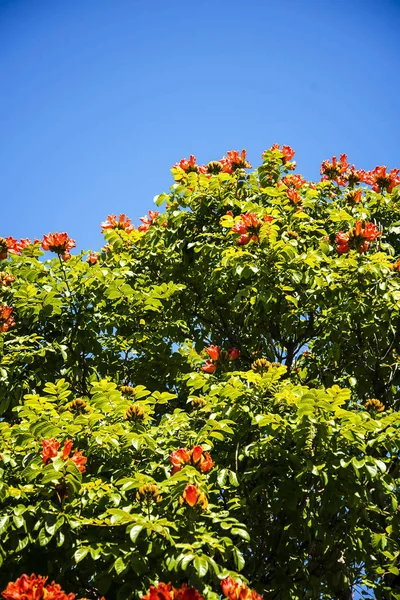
(81, 553)
(201, 566)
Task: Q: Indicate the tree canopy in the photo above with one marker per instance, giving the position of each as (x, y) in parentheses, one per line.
(209, 404)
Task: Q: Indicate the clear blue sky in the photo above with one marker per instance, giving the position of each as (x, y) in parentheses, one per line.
(100, 97)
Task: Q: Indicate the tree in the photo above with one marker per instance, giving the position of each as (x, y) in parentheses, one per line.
(213, 396)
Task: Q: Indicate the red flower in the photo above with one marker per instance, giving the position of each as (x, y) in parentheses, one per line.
(122, 223)
(161, 592)
(382, 181)
(208, 367)
(190, 494)
(213, 352)
(358, 238)
(206, 463)
(293, 195)
(93, 258)
(234, 354)
(178, 459)
(6, 320)
(147, 220)
(235, 591)
(185, 593)
(25, 588)
(59, 243)
(79, 460)
(232, 161)
(33, 588)
(335, 171)
(66, 451)
(249, 227)
(192, 497)
(50, 450)
(294, 181)
(164, 592)
(54, 592)
(189, 166)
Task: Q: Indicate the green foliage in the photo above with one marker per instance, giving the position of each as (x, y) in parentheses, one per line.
(303, 497)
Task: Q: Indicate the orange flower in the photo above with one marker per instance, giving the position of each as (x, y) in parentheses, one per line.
(54, 592)
(164, 592)
(59, 243)
(358, 238)
(6, 320)
(178, 459)
(294, 181)
(382, 181)
(213, 352)
(235, 591)
(50, 450)
(249, 227)
(122, 223)
(185, 593)
(293, 195)
(209, 367)
(335, 171)
(147, 220)
(189, 166)
(93, 258)
(190, 494)
(79, 460)
(206, 463)
(66, 451)
(161, 592)
(232, 161)
(25, 588)
(33, 588)
(192, 497)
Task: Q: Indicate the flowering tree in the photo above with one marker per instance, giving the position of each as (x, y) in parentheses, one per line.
(208, 405)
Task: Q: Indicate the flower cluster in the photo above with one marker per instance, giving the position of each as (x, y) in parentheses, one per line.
(51, 450)
(34, 588)
(341, 172)
(249, 227)
(335, 170)
(193, 497)
(238, 591)
(195, 457)
(228, 164)
(60, 243)
(11, 245)
(6, 320)
(122, 223)
(148, 220)
(218, 356)
(358, 238)
(232, 161)
(6, 279)
(163, 591)
(382, 181)
(293, 183)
